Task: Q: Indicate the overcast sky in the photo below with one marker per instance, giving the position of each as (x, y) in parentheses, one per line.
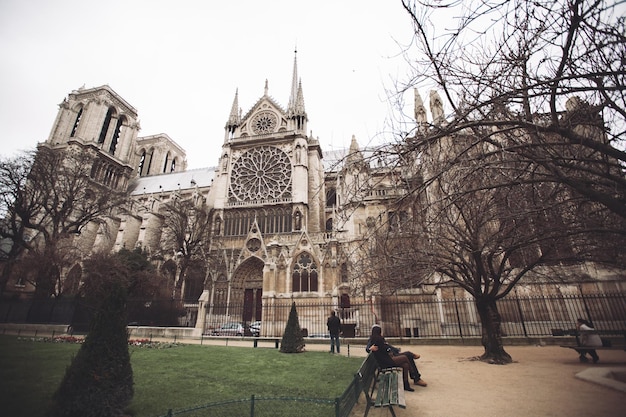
(180, 62)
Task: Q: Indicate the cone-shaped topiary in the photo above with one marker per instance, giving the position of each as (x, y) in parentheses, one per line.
(292, 342)
(99, 381)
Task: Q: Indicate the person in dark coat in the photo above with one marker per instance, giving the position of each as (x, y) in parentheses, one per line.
(391, 356)
(334, 328)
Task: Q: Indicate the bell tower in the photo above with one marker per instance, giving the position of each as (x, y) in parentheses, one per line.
(100, 120)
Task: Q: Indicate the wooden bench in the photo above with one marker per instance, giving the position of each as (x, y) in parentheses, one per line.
(390, 389)
(607, 344)
(389, 382)
(266, 339)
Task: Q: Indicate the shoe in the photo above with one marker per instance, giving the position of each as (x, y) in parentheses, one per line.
(583, 359)
(595, 360)
(408, 388)
(416, 356)
(421, 383)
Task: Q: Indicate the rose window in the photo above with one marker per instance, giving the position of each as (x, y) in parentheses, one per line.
(264, 122)
(260, 174)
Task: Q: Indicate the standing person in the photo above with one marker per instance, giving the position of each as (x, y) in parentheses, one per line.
(334, 328)
(586, 338)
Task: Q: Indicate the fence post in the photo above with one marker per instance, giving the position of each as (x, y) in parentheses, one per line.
(521, 314)
(582, 297)
(169, 413)
(252, 406)
(458, 315)
(337, 411)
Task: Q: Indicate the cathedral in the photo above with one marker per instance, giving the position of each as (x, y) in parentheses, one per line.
(283, 211)
(286, 217)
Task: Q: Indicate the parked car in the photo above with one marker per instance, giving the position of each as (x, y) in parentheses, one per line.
(229, 329)
(255, 328)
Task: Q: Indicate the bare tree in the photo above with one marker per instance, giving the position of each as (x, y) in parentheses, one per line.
(48, 208)
(530, 61)
(15, 204)
(186, 235)
(526, 172)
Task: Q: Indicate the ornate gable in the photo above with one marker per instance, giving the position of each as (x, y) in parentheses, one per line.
(265, 117)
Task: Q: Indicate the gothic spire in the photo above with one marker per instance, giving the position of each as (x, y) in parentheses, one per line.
(294, 85)
(299, 105)
(296, 99)
(234, 118)
(354, 153)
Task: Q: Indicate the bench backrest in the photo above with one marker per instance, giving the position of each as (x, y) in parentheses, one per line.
(390, 388)
(367, 374)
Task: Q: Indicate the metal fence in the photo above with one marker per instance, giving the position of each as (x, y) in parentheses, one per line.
(401, 316)
(432, 317)
(262, 407)
(278, 406)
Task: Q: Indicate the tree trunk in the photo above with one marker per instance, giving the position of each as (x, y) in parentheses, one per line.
(179, 278)
(6, 274)
(491, 332)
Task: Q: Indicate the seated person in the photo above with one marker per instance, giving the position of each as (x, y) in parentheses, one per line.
(388, 356)
(587, 339)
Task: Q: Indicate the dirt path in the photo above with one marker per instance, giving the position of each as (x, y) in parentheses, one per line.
(541, 382)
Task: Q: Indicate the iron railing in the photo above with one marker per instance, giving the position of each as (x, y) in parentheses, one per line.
(401, 316)
(278, 406)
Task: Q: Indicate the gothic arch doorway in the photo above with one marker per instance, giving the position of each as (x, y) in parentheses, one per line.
(247, 289)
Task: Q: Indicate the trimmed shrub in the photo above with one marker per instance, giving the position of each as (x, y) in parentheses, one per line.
(292, 341)
(99, 381)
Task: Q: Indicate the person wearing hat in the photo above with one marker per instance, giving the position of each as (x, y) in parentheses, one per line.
(389, 356)
(587, 338)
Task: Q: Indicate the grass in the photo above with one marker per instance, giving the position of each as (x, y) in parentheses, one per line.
(174, 378)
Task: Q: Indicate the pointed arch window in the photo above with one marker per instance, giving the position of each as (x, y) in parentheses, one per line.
(105, 125)
(344, 272)
(116, 135)
(167, 162)
(145, 161)
(173, 165)
(76, 122)
(142, 161)
(305, 274)
(331, 197)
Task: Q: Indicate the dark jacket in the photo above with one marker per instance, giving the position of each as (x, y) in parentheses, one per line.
(334, 325)
(382, 354)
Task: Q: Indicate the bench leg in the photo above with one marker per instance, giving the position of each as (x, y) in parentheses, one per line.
(367, 407)
(393, 413)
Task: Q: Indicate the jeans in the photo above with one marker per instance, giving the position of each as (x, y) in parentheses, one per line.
(334, 341)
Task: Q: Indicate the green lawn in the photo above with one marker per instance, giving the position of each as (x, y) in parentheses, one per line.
(178, 377)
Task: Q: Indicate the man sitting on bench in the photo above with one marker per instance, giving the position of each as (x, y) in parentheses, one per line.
(587, 338)
(382, 352)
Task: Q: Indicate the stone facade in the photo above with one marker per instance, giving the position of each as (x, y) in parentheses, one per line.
(286, 217)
